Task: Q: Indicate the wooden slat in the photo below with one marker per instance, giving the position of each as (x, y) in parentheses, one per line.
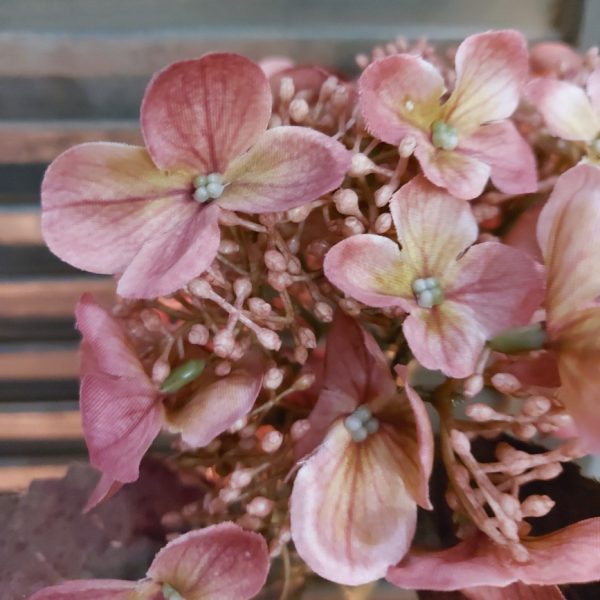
(19, 227)
(17, 478)
(50, 298)
(42, 141)
(60, 425)
(41, 362)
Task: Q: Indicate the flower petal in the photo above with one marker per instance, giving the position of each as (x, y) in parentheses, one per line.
(168, 261)
(515, 591)
(101, 202)
(447, 337)
(566, 109)
(97, 589)
(217, 405)
(421, 213)
(351, 516)
(554, 59)
(593, 90)
(287, 167)
(221, 562)
(371, 269)
(502, 147)
(502, 286)
(462, 175)
(399, 96)
(491, 69)
(202, 113)
(106, 488)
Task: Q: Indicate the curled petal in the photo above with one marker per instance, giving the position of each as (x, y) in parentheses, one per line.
(221, 562)
(106, 488)
(98, 589)
(593, 90)
(399, 96)
(351, 516)
(200, 114)
(371, 269)
(287, 167)
(421, 214)
(566, 109)
(510, 157)
(491, 69)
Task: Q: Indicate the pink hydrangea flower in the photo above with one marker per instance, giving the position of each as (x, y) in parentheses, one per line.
(221, 562)
(151, 215)
(123, 410)
(569, 555)
(354, 502)
(463, 141)
(457, 296)
(568, 111)
(568, 236)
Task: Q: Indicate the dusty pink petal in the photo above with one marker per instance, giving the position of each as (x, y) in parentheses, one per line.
(554, 59)
(522, 234)
(502, 286)
(221, 562)
(421, 213)
(102, 202)
(566, 109)
(447, 337)
(106, 488)
(172, 258)
(287, 167)
(96, 589)
(400, 96)
(462, 175)
(371, 269)
(515, 591)
(593, 90)
(202, 113)
(271, 65)
(502, 147)
(307, 79)
(491, 69)
(351, 516)
(217, 406)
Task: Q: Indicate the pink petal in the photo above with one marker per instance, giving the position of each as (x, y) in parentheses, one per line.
(491, 69)
(307, 79)
(287, 167)
(202, 113)
(271, 65)
(102, 202)
(221, 562)
(168, 261)
(515, 591)
(502, 147)
(350, 514)
(502, 286)
(400, 96)
(371, 269)
(94, 589)
(522, 235)
(593, 90)
(106, 488)
(217, 405)
(554, 59)
(462, 175)
(566, 109)
(421, 215)
(447, 337)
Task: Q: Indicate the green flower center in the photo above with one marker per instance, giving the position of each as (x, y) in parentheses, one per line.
(428, 292)
(361, 423)
(208, 187)
(444, 136)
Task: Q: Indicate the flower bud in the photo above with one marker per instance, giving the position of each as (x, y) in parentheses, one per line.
(200, 288)
(223, 343)
(350, 307)
(407, 146)
(300, 213)
(304, 382)
(383, 223)
(307, 337)
(361, 165)
(353, 226)
(536, 406)
(228, 247)
(383, 195)
(286, 89)
(346, 202)
(279, 280)
(506, 383)
(198, 335)
(460, 442)
(241, 478)
(324, 312)
(259, 308)
(272, 441)
(299, 429)
(242, 287)
(273, 378)
(223, 368)
(182, 375)
(472, 386)
(275, 261)
(537, 505)
(269, 339)
(298, 110)
(260, 507)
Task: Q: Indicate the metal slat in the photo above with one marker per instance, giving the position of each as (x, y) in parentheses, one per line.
(38, 362)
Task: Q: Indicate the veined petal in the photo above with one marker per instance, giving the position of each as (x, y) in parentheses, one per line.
(515, 591)
(371, 269)
(462, 175)
(102, 202)
(399, 96)
(97, 589)
(287, 167)
(566, 109)
(593, 90)
(421, 213)
(351, 516)
(221, 562)
(502, 286)
(169, 260)
(202, 113)
(121, 417)
(502, 147)
(491, 69)
(447, 337)
(568, 235)
(217, 405)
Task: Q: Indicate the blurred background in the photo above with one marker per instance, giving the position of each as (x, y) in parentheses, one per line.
(75, 70)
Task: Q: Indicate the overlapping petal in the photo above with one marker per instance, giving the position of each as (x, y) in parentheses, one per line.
(286, 167)
(593, 90)
(351, 515)
(554, 59)
(200, 114)
(515, 591)
(107, 589)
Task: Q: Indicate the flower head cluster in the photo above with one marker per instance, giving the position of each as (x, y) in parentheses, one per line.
(305, 263)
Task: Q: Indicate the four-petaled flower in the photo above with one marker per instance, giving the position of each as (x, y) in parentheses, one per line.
(457, 298)
(151, 216)
(462, 142)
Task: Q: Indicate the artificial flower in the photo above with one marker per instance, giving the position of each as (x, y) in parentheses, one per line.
(354, 502)
(457, 298)
(151, 215)
(463, 141)
(221, 562)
